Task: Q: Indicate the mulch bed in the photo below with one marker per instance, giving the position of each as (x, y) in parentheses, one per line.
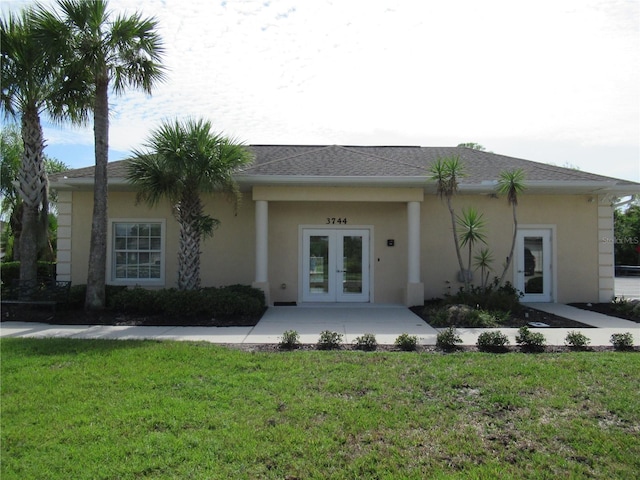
(523, 318)
(604, 308)
(69, 316)
(78, 316)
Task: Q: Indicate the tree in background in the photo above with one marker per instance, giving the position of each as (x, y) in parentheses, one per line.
(107, 55)
(473, 145)
(626, 228)
(183, 160)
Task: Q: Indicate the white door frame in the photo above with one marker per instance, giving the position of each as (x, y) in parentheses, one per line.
(335, 267)
(549, 283)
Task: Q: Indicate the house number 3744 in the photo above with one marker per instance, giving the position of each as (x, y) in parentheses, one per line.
(334, 220)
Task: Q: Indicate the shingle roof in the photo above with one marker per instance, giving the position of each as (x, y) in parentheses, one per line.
(328, 162)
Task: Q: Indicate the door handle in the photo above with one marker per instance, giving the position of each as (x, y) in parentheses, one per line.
(341, 271)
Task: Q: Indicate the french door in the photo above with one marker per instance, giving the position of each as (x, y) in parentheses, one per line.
(335, 265)
(533, 265)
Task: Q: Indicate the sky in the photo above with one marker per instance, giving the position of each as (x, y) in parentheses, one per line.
(554, 81)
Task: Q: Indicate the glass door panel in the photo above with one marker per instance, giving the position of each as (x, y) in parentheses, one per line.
(319, 264)
(335, 265)
(533, 265)
(352, 264)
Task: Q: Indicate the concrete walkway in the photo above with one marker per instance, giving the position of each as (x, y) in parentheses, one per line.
(386, 322)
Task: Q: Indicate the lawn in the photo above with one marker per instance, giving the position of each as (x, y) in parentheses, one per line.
(141, 409)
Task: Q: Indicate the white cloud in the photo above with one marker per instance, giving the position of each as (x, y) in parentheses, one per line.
(285, 71)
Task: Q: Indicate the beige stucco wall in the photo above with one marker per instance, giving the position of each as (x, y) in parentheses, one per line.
(229, 257)
(573, 218)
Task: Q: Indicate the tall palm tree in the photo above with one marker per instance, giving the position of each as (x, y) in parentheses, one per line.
(183, 160)
(107, 54)
(511, 183)
(446, 172)
(30, 83)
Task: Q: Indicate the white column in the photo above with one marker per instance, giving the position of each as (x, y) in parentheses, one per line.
(262, 248)
(413, 244)
(414, 293)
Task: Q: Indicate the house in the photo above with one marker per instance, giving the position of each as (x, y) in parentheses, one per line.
(358, 224)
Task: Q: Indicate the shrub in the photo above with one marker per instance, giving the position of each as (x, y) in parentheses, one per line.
(448, 339)
(329, 340)
(461, 315)
(530, 341)
(10, 271)
(622, 341)
(234, 301)
(577, 340)
(290, 340)
(626, 307)
(366, 342)
(503, 298)
(493, 341)
(406, 342)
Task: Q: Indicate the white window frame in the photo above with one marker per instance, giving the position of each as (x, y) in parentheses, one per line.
(111, 280)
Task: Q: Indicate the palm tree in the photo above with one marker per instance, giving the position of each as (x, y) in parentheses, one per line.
(445, 172)
(472, 224)
(105, 54)
(183, 160)
(29, 85)
(511, 183)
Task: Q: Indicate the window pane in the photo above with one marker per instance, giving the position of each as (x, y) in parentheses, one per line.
(533, 261)
(352, 265)
(319, 264)
(132, 247)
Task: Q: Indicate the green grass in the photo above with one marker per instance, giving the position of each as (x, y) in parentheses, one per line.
(141, 409)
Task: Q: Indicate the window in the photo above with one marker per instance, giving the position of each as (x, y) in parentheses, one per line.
(137, 252)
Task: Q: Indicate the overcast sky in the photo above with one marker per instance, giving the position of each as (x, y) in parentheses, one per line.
(554, 81)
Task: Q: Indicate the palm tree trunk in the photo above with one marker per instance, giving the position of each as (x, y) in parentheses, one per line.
(456, 243)
(513, 245)
(96, 279)
(32, 184)
(189, 213)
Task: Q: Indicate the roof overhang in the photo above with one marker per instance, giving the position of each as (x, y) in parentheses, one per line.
(245, 182)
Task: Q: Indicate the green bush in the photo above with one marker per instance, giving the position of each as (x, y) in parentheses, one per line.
(233, 301)
(503, 298)
(366, 342)
(448, 339)
(622, 341)
(626, 307)
(577, 340)
(329, 340)
(462, 315)
(10, 271)
(406, 342)
(290, 340)
(530, 341)
(493, 341)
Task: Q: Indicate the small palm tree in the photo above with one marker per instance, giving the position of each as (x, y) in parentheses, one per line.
(183, 160)
(100, 54)
(472, 226)
(446, 172)
(511, 183)
(483, 260)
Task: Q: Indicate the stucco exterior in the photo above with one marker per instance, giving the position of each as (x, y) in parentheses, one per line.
(575, 222)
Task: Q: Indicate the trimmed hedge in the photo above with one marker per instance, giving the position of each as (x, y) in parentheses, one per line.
(10, 271)
(229, 301)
